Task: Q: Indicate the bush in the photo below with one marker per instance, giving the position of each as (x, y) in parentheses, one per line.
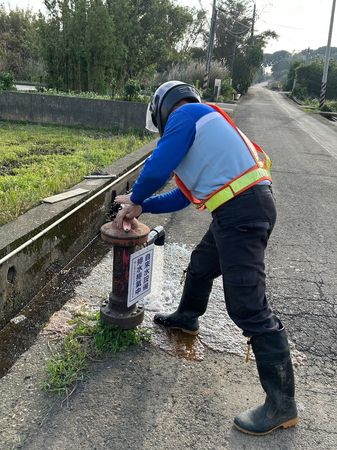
(332, 104)
(132, 90)
(6, 81)
(194, 72)
(300, 92)
(310, 77)
(227, 90)
(291, 75)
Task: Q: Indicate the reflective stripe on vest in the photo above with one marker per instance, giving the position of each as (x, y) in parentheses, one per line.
(234, 188)
(259, 172)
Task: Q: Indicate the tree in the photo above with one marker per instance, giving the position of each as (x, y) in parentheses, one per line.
(78, 44)
(19, 44)
(196, 33)
(291, 75)
(148, 31)
(245, 67)
(232, 29)
(94, 44)
(99, 48)
(235, 44)
(279, 63)
(309, 77)
(282, 62)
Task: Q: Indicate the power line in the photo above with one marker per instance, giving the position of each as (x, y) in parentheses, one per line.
(285, 26)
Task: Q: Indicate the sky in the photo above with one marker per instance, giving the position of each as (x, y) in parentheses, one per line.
(299, 23)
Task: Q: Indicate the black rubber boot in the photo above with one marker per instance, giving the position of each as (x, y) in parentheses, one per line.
(193, 304)
(277, 379)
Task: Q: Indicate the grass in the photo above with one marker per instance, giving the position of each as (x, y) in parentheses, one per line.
(330, 105)
(89, 338)
(142, 98)
(38, 161)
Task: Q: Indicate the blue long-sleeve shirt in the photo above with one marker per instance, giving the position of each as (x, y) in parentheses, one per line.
(202, 148)
(171, 148)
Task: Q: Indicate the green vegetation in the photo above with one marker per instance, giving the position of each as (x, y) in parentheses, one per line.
(193, 73)
(121, 48)
(92, 45)
(19, 44)
(309, 78)
(6, 81)
(282, 63)
(89, 339)
(38, 161)
(301, 74)
(235, 43)
(128, 94)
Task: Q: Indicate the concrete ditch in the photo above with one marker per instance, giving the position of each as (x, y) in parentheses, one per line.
(28, 270)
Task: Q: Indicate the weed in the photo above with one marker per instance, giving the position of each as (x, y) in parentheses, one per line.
(66, 367)
(114, 339)
(89, 338)
(135, 96)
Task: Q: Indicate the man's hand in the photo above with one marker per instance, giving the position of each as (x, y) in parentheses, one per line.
(129, 210)
(124, 199)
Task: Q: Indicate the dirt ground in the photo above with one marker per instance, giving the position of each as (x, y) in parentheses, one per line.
(148, 399)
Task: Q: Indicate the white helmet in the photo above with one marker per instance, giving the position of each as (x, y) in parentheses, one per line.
(164, 100)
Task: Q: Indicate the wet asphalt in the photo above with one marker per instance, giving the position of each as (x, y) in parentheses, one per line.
(182, 394)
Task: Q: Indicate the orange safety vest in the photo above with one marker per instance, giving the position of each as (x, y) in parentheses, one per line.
(259, 172)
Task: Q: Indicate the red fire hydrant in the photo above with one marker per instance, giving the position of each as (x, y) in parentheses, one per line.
(115, 311)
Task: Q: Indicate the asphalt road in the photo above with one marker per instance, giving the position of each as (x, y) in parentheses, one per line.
(302, 257)
(302, 274)
(150, 400)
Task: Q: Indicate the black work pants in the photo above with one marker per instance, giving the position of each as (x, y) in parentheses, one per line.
(234, 247)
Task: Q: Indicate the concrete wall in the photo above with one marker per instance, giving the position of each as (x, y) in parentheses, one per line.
(71, 111)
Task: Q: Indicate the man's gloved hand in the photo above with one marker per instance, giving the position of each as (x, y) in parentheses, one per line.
(129, 210)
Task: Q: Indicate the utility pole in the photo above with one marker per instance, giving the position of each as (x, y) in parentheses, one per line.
(210, 47)
(253, 22)
(327, 59)
(233, 57)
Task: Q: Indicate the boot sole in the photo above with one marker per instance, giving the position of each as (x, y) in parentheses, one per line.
(288, 424)
(190, 332)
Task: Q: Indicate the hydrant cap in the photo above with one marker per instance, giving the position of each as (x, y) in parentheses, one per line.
(136, 236)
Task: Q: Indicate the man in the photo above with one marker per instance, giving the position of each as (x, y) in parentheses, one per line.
(217, 167)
